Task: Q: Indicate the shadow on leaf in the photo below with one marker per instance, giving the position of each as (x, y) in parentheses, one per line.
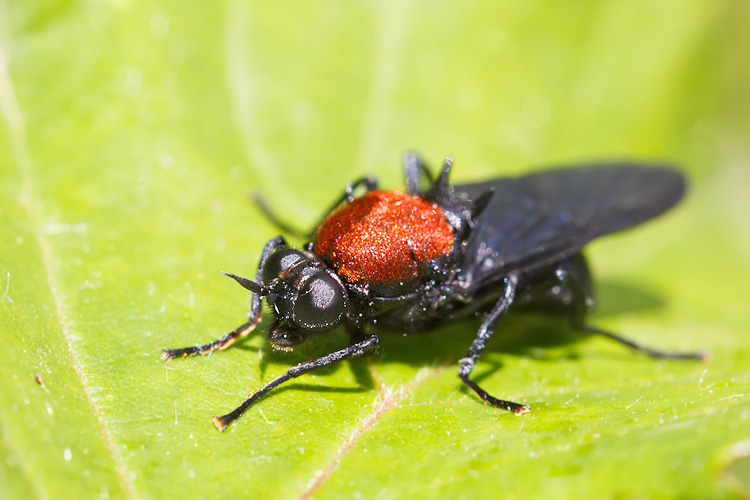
(535, 334)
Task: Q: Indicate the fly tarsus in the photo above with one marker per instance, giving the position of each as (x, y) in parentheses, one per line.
(653, 353)
(218, 344)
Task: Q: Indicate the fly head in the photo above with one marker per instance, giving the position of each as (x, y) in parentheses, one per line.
(305, 296)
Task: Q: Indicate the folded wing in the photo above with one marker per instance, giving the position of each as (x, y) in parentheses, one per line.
(541, 218)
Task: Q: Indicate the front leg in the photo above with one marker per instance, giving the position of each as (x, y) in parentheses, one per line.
(365, 346)
(241, 331)
(483, 336)
(370, 183)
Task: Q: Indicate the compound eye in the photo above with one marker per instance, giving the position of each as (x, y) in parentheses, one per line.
(279, 261)
(321, 302)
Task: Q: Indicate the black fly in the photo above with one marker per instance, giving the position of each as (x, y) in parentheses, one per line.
(436, 252)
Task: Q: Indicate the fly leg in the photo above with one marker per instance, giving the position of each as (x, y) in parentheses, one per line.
(243, 330)
(370, 183)
(654, 353)
(262, 204)
(483, 336)
(364, 346)
(573, 290)
(218, 344)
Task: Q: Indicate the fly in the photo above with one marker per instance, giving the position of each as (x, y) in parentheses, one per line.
(412, 260)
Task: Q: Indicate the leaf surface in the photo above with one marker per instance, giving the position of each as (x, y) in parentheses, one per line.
(131, 134)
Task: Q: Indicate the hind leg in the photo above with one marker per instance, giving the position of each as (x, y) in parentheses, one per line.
(568, 290)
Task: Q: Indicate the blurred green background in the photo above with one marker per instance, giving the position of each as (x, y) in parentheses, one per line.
(132, 131)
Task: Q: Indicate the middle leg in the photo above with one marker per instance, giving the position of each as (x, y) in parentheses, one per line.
(483, 336)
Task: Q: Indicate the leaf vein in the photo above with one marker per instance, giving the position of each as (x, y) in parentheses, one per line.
(386, 400)
(14, 117)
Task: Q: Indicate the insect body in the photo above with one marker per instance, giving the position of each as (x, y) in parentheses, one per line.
(437, 252)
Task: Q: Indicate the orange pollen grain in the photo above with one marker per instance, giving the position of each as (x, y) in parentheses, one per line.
(384, 238)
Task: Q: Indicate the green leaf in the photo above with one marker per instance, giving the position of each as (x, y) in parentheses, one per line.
(132, 133)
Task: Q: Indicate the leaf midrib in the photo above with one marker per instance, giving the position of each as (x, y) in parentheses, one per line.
(15, 119)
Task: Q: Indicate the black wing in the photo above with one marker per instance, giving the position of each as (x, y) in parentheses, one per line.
(539, 219)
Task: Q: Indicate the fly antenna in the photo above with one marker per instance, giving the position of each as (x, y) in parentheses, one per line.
(248, 284)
